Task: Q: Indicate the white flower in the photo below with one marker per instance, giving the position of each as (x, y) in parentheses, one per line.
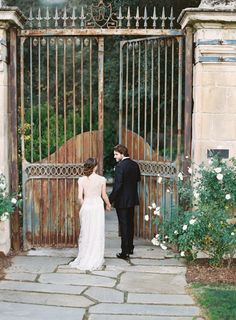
(4, 216)
(154, 205)
(210, 162)
(180, 176)
(163, 246)
(166, 237)
(185, 226)
(219, 176)
(13, 200)
(150, 207)
(176, 232)
(157, 236)
(186, 157)
(232, 233)
(217, 170)
(155, 242)
(2, 186)
(182, 254)
(228, 196)
(167, 190)
(159, 180)
(146, 217)
(196, 195)
(157, 211)
(190, 171)
(192, 221)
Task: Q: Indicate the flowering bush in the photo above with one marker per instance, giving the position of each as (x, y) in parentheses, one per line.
(7, 202)
(207, 206)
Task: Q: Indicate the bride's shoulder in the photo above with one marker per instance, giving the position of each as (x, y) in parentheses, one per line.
(101, 178)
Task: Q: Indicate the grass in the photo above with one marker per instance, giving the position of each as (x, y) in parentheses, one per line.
(217, 301)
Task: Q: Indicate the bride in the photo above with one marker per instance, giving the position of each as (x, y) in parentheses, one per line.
(92, 192)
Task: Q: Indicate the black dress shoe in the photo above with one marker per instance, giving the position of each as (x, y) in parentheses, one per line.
(122, 256)
(131, 251)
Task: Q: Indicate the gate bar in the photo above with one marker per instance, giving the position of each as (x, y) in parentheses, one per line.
(100, 101)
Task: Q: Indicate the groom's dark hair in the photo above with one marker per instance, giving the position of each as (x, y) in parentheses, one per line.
(121, 149)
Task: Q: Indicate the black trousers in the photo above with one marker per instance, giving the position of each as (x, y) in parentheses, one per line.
(126, 225)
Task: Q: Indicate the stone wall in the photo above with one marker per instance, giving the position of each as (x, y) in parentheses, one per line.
(214, 81)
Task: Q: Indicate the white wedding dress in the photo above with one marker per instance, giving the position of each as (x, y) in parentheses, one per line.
(92, 224)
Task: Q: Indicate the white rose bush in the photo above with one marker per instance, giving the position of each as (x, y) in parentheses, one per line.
(206, 219)
(8, 202)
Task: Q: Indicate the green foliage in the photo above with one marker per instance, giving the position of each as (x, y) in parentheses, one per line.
(219, 302)
(207, 205)
(7, 201)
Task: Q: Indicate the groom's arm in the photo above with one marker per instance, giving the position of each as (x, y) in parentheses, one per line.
(117, 184)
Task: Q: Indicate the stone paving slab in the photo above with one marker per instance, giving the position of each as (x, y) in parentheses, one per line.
(169, 299)
(41, 287)
(77, 279)
(128, 317)
(152, 283)
(105, 295)
(105, 273)
(19, 276)
(155, 262)
(45, 299)
(17, 311)
(145, 309)
(148, 269)
(68, 269)
(36, 264)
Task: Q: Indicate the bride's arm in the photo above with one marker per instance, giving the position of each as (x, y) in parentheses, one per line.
(105, 197)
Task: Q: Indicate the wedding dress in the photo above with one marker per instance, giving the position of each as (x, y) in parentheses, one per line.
(92, 224)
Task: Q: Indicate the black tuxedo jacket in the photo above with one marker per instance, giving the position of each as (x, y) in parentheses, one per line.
(125, 189)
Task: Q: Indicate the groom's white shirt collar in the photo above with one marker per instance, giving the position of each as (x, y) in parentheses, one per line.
(125, 158)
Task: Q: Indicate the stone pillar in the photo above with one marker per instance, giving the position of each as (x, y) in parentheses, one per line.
(9, 18)
(214, 79)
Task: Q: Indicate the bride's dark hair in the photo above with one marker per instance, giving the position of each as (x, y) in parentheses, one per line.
(89, 165)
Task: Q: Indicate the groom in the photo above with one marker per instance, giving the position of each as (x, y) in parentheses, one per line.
(125, 197)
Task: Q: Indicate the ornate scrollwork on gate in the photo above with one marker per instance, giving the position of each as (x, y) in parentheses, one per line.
(153, 168)
(40, 170)
(101, 16)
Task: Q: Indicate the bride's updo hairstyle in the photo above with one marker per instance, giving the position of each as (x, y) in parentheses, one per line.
(89, 165)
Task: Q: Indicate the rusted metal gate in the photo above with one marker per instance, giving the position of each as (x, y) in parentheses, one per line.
(151, 81)
(61, 84)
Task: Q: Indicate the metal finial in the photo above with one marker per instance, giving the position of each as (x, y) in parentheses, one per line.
(65, 18)
(171, 18)
(120, 18)
(163, 18)
(154, 18)
(39, 18)
(128, 18)
(82, 18)
(30, 19)
(56, 17)
(137, 17)
(73, 17)
(145, 17)
(47, 18)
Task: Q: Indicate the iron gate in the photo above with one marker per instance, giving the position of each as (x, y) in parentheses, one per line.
(62, 113)
(150, 120)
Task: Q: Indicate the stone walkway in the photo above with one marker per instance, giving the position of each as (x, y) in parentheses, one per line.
(150, 287)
